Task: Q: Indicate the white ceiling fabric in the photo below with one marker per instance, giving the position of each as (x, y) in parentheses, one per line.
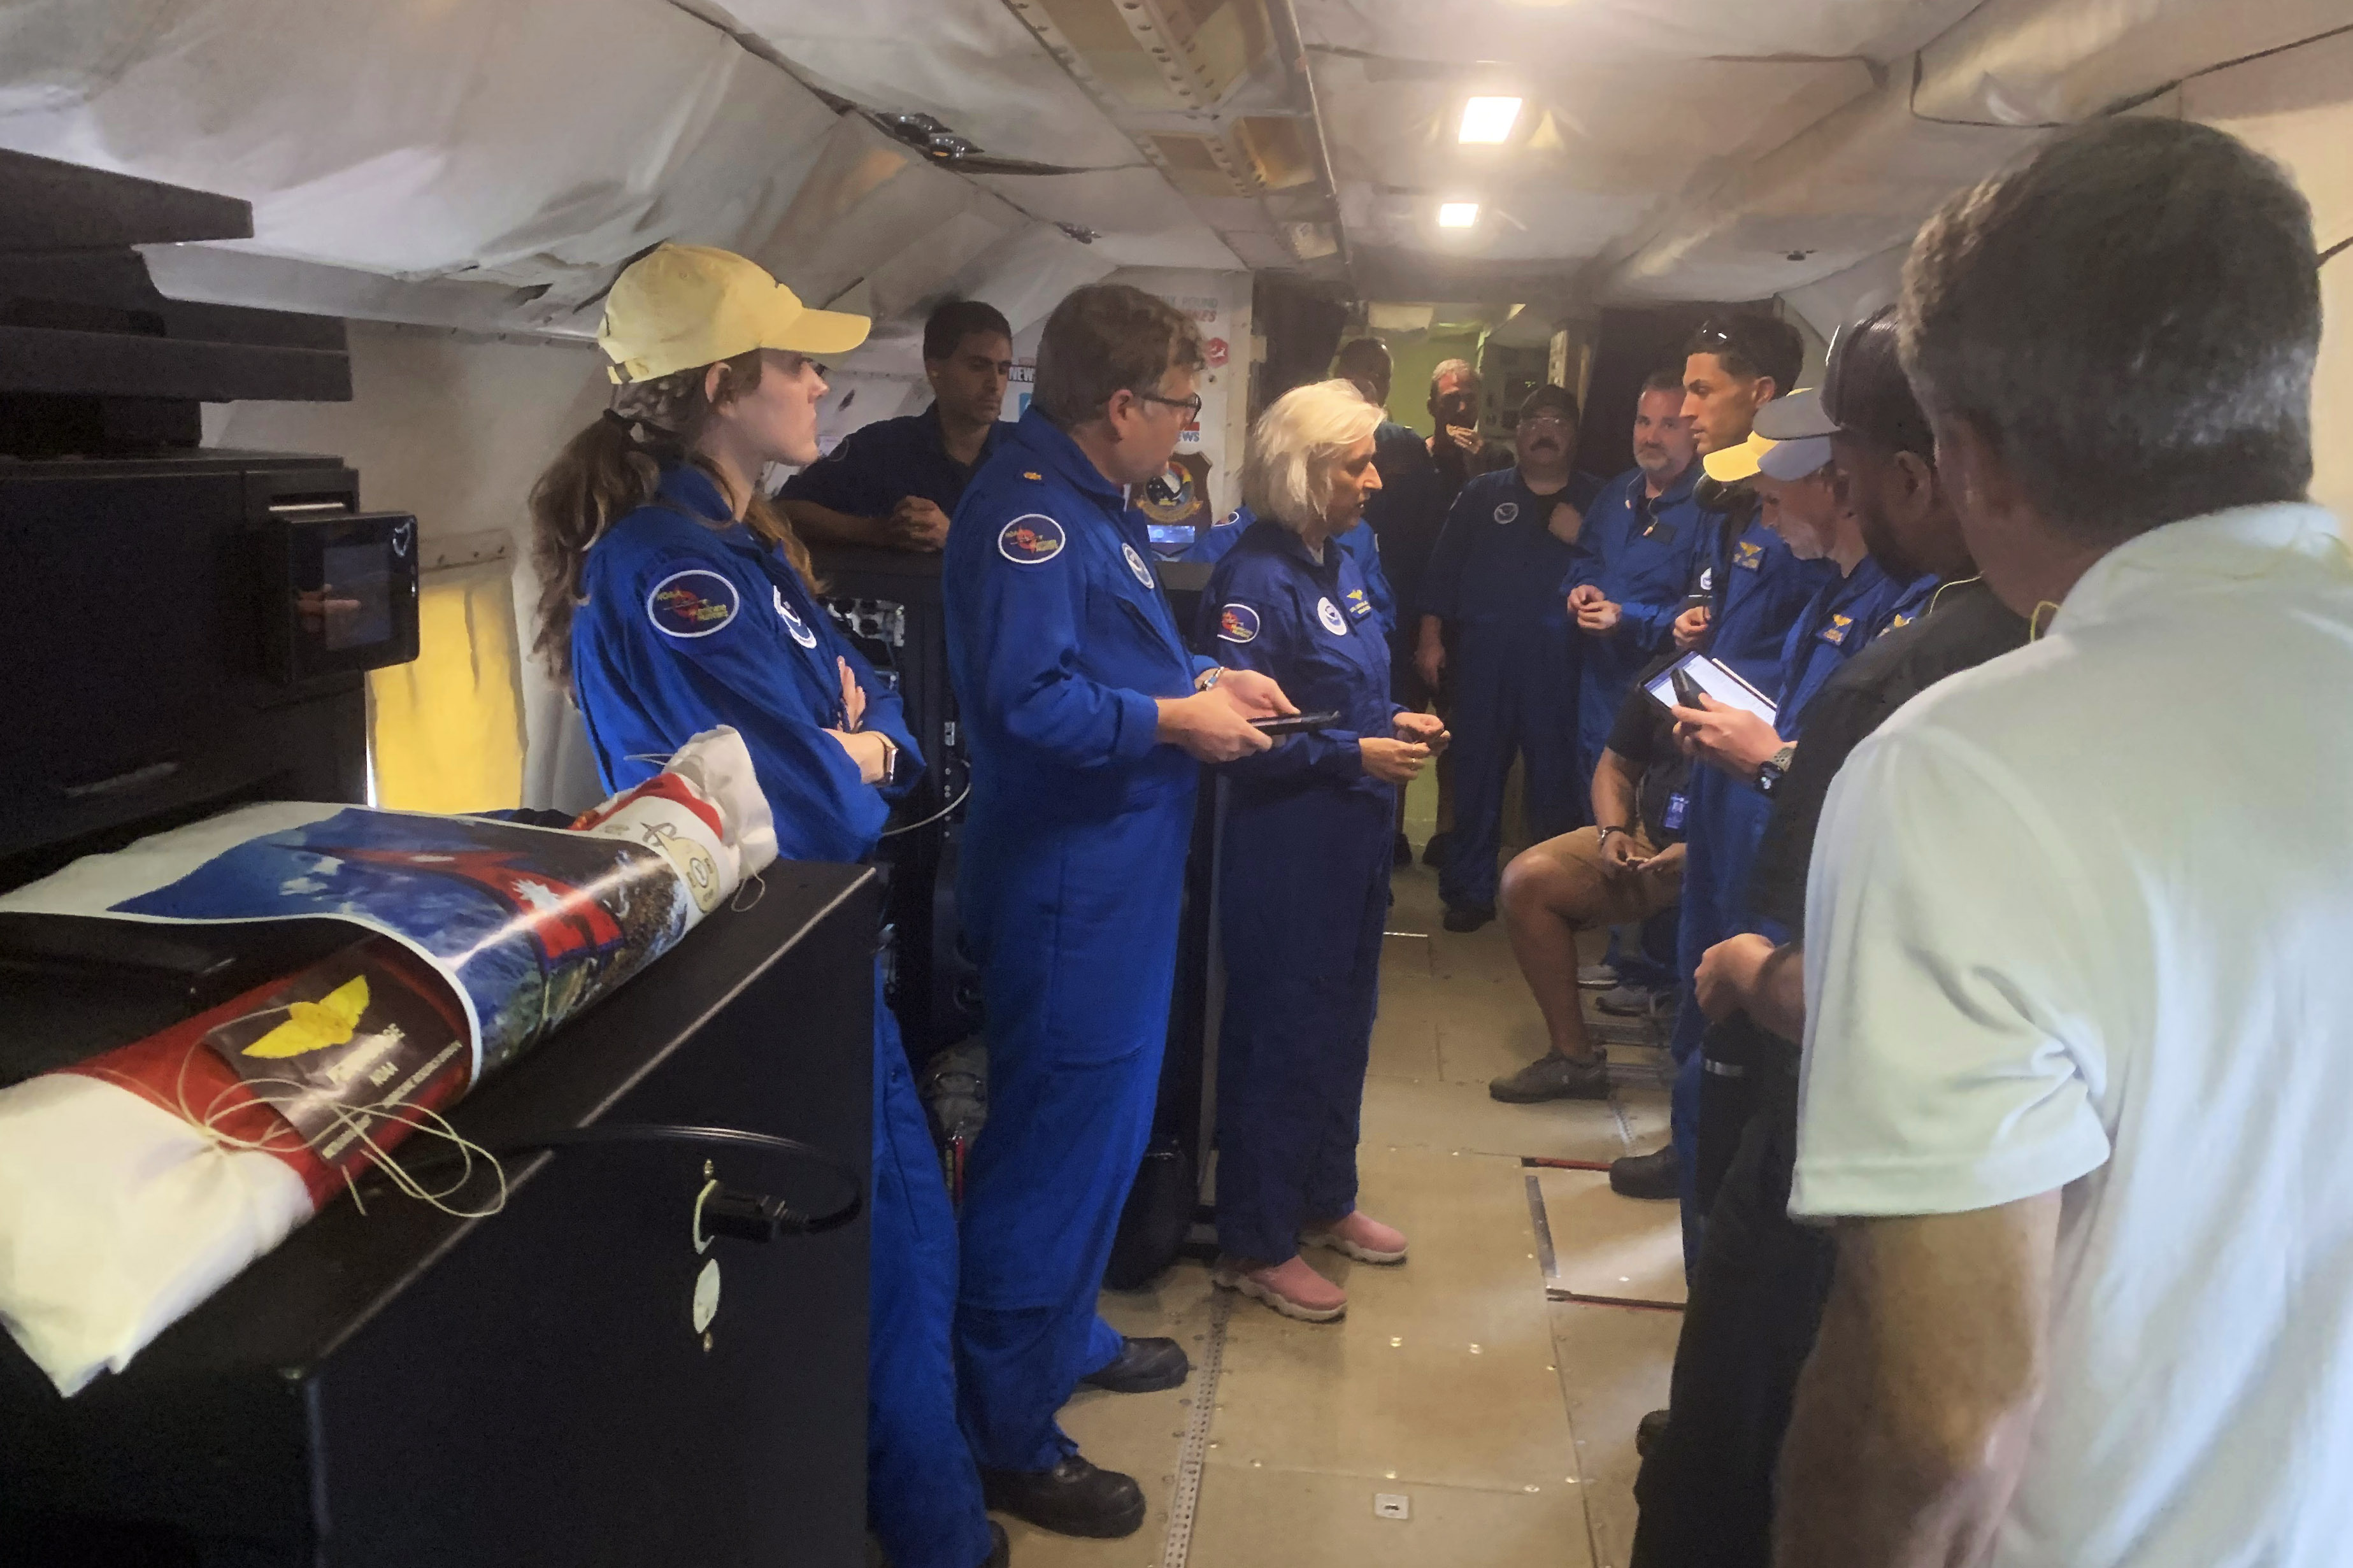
(488, 164)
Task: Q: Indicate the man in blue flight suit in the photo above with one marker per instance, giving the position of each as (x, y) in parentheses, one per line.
(1089, 719)
(1405, 516)
(1797, 489)
(1636, 559)
(1635, 562)
(1749, 588)
(895, 483)
(1494, 581)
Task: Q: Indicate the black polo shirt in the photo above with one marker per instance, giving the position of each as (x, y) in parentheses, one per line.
(1964, 625)
(877, 466)
(1644, 734)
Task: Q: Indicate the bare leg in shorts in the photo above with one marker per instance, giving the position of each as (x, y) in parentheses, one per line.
(1552, 891)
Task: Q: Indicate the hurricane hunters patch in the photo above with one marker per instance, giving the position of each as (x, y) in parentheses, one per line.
(693, 603)
(1237, 623)
(1030, 540)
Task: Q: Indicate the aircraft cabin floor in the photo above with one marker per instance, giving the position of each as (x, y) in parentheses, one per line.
(1497, 1399)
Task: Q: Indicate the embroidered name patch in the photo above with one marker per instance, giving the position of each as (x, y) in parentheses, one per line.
(1508, 512)
(1030, 540)
(798, 627)
(1358, 605)
(1135, 564)
(1329, 614)
(1237, 623)
(1835, 633)
(1747, 554)
(693, 603)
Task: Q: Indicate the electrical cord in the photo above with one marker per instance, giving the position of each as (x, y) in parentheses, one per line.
(944, 811)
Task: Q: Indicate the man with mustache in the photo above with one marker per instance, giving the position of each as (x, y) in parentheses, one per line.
(1494, 582)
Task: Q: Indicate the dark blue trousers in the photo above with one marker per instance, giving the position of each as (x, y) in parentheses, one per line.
(1725, 822)
(923, 1494)
(1075, 929)
(1515, 690)
(1304, 893)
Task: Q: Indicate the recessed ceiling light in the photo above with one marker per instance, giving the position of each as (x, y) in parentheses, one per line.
(1488, 120)
(1457, 214)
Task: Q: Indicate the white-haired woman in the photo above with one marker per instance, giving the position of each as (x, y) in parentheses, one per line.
(1304, 888)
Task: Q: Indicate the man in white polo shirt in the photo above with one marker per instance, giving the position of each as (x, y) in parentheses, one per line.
(2079, 968)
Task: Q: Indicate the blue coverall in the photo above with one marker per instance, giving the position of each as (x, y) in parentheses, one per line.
(1642, 553)
(1495, 577)
(1304, 892)
(1359, 543)
(693, 620)
(1842, 615)
(1060, 641)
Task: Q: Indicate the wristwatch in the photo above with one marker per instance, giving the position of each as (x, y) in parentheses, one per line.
(1774, 770)
(1606, 831)
(889, 759)
(1208, 678)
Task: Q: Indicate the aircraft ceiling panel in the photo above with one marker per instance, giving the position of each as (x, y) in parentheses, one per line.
(970, 64)
(1626, 32)
(526, 145)
(1139, 219)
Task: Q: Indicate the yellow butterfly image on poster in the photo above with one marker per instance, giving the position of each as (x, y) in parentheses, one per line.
(315, 1026)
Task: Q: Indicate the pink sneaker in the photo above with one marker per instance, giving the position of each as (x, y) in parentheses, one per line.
(1291, 1288)
(1358, 1236)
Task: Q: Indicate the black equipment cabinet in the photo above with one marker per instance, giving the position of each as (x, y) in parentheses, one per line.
(401, 1387)
(887, 602)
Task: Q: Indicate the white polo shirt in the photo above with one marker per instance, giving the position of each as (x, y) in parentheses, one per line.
(2082, 917)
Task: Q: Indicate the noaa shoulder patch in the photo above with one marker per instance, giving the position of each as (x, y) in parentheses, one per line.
(1237, 623)
(1708, 579)
(693, 603)
(1135, 564)
(798, 627)
(1030, 540)
(1329, 614)
(1508, 512)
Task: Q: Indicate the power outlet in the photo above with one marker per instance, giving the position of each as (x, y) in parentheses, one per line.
(1391, 1505)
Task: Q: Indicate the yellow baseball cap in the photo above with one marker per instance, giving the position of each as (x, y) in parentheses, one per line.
(690, 305)
(1733, 464)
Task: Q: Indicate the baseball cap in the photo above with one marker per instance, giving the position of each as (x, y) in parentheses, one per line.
(1795, 459)
(1788, 450)
(1864, 391)
(1559, 399)
(687, 305)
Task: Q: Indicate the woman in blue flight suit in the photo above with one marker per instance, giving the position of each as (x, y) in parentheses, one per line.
(677, 600)
(1373, 594)
(1304, 878)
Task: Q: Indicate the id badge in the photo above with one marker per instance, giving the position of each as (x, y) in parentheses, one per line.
(1671, 819)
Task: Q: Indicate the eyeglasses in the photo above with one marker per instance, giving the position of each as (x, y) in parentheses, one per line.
(1191, 405)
